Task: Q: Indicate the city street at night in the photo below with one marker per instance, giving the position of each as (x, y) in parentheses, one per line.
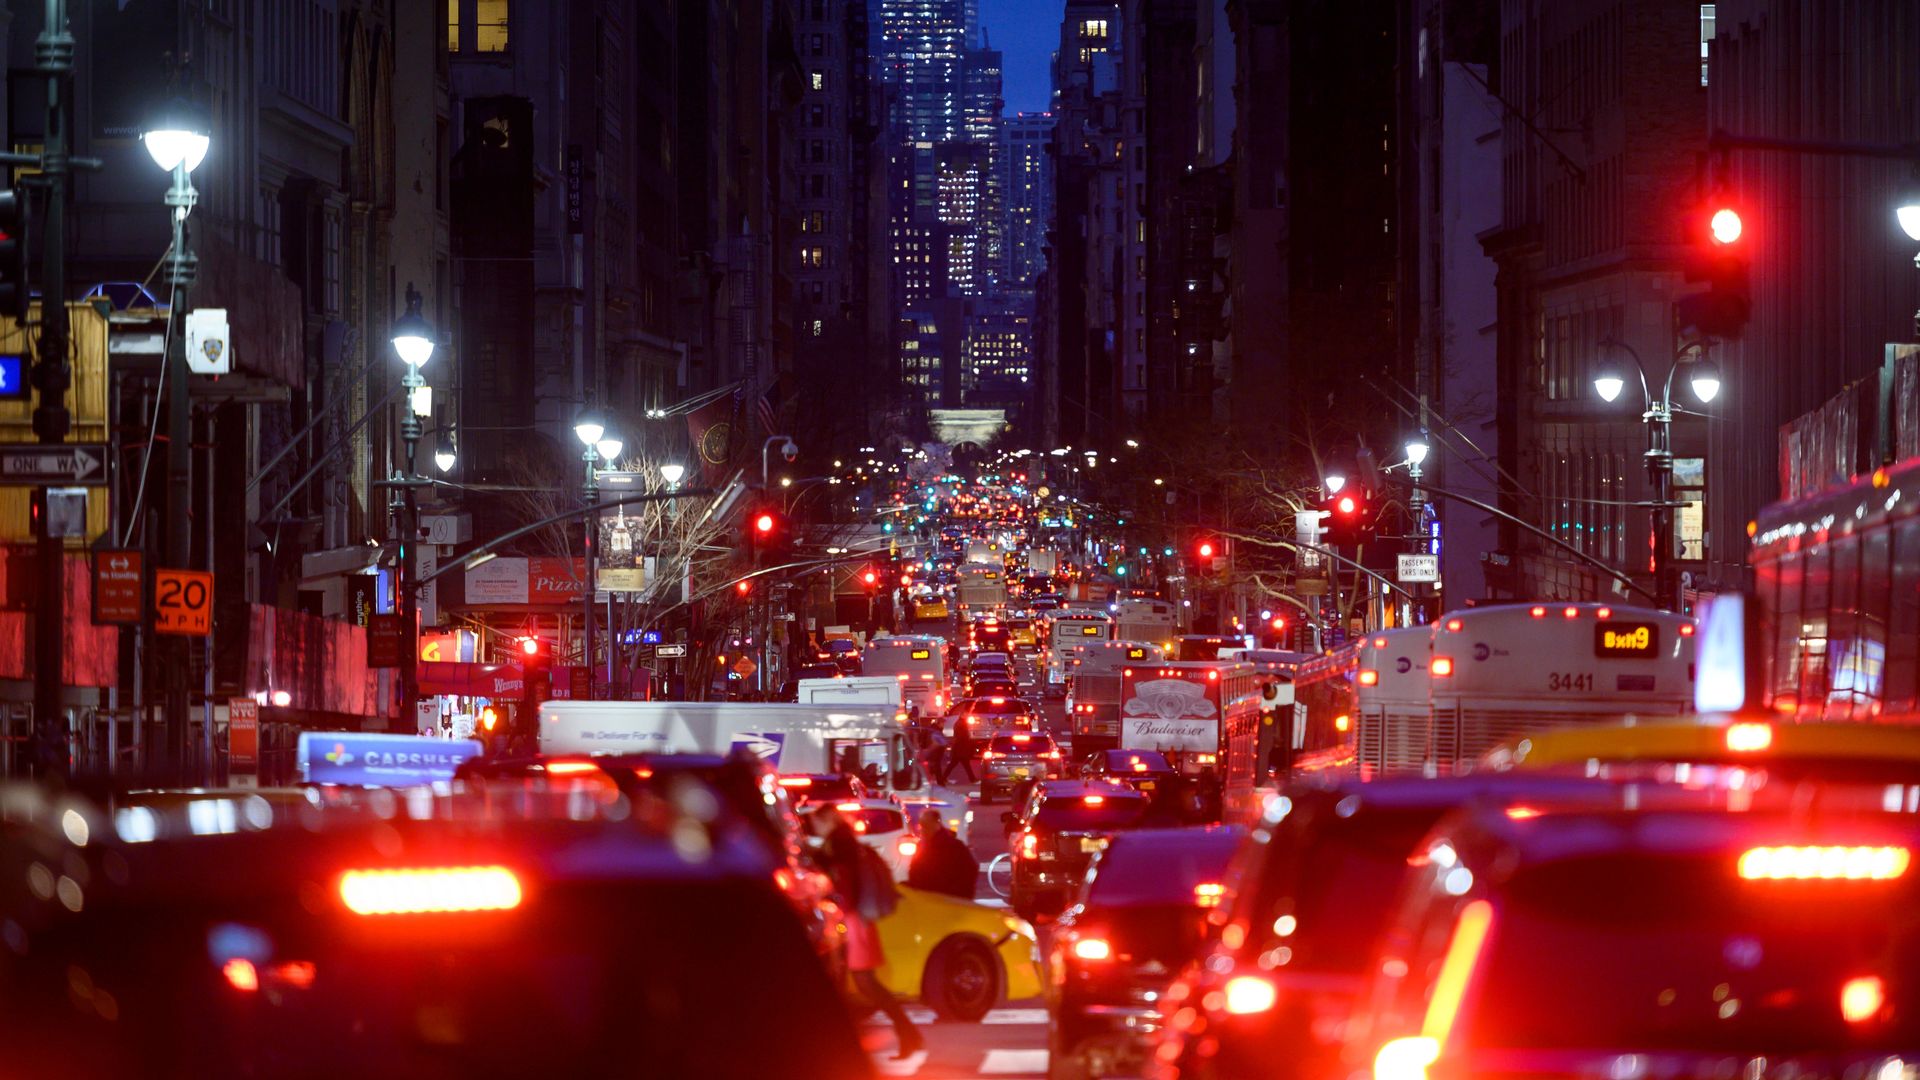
(1044, 539)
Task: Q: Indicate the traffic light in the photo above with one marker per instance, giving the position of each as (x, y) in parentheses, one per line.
(1717, 255)
(870, 578)
(769, 533)
(489, 719)
(1206, 550)
(15, 293)
(1347, 518)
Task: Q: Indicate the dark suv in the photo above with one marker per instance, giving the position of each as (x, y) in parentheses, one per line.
(1054, 838)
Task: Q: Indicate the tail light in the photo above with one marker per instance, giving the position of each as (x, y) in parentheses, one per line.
(1571, 612)
(1095, 800)
(1052, 755)
(1029, 845)
(570, 768)
(1093, 948)
(986, 755)
(1246, 995)
(909, 847)
(241, 975)
(1749, 737)
(435, 889)
(1208, 893)
(847, 806)
(1539, 613)
(1369, 677)
(1342, 723)
(1824, 863)
(1442, 667)
(1862, 999)
(796, 781)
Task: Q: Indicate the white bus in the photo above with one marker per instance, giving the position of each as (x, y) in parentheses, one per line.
(918, 662)
(1501, 671)
(1394, 722)
(981, 588)
(1145, 619)
(1065, 630)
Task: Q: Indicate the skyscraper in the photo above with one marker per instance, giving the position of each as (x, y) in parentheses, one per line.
(1026, 171)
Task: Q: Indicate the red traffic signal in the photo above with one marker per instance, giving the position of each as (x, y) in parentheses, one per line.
(1279, 622)
(764, 523)
(869, 577)
(743, 587)
(530, 646)
(1347, 519)
(1345, 506)
(1724, 226)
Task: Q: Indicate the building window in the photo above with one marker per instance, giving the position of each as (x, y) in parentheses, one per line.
(1706, 40)
(1690, 521)
(1093, 28)
(491, 26)
(453, 25)
(818, 80)
(817, 45)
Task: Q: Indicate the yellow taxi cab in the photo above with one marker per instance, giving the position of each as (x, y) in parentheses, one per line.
(931, 605)
(1020, 632)
(1825, 751)
(957, 957)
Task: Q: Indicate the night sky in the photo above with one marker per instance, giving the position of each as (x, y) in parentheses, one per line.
(1026, 32)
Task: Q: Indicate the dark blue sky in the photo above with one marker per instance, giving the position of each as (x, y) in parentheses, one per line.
(1026, 33)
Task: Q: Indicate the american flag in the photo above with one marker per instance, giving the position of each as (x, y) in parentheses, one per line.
(768, 401)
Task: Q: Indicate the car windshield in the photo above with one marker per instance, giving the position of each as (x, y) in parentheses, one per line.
(1077, 812)
(1164, 870)
(1121, 762)
(1020, 744)
(1683, 954)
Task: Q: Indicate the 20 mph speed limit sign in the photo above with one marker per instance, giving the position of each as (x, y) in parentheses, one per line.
(183, 602)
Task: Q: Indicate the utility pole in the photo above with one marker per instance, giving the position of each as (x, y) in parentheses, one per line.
(53, 50)
(177, 654)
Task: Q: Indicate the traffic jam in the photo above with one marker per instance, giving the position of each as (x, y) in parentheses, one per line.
(1040, 823)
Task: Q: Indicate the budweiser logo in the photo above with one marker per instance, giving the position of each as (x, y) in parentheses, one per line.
(1170, 699)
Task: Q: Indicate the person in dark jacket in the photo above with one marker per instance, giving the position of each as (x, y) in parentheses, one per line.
(961, 752)
(943, 864)
(839, 859)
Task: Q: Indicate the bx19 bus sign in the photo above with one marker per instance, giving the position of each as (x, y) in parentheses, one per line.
(1627, 640)
(361, 759)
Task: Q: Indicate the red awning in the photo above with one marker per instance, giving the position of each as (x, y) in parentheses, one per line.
(471, 680)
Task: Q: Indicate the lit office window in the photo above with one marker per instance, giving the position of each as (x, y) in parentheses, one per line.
(1706, 40)
(491, 25)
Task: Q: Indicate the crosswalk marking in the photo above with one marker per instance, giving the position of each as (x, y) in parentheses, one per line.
(920, 1014)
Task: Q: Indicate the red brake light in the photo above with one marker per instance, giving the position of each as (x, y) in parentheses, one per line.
(1369, 677)
(1442, 667)
(1571, 612)
(1538, 612)
(1824, 863)
(1208, 893)
(1342, 722)
(796, 781)
(1247, 994)
(1686, 629)
(1093, 948)
(1453, 627)
(1029, 845)
(847, 806)
(908, 847)
(1095, 800)
(570, 768)
(431, 889)
(1749, 737)
(1862, 998)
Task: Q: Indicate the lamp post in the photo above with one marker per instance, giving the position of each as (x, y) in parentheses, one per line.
(413, 342)
(1658, 416)
(178, 141)
(591, 429)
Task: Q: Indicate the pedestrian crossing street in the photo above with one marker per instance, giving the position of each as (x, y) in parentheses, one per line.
(1007, 1043)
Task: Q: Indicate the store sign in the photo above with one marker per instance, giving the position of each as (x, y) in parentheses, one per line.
(364, 759)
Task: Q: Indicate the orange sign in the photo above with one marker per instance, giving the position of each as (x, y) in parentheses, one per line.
(183, 602)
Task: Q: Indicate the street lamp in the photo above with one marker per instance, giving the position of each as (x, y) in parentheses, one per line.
(1333, 482)
(1907, 209)
(671, 472)
(1704, 377)
(177, 139)
(443, 452)
(591, 428)
(1416, 454)
(412, 339)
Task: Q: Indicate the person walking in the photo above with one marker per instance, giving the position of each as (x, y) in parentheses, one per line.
(865, 895)
(961, 752)
(943, 864)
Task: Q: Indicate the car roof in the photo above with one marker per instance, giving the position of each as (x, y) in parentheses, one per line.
(1176, 839)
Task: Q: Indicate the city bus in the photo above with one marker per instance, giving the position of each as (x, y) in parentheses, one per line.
(1093, 690)
(918, 662)
(1837, 583)
(1393, 718)
(1501, 671)
(1145, 619)
(1068, 628)
(1208, 646)
(981, 588)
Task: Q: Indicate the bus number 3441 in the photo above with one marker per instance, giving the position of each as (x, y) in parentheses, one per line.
(1568, 682)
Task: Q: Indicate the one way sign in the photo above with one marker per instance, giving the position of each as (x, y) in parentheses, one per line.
(67, 463)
